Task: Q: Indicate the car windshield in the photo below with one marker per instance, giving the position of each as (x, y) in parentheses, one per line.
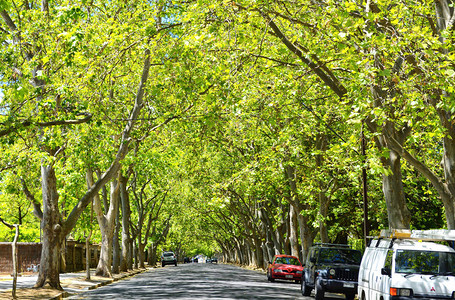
(287, 261)
(424, 262)
(340, 256)
(168, 254)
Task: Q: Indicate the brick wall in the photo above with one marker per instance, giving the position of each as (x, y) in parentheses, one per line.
(28, 255)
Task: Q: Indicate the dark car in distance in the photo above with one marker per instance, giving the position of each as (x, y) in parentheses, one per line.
(331, 268)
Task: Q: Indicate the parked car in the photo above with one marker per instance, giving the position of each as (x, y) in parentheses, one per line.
(285, 267)
(214, 260)
(408, 268)
(331, 268)
(186, 260)
(168, 258)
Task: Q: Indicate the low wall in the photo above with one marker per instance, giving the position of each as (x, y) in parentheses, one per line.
(29, 255)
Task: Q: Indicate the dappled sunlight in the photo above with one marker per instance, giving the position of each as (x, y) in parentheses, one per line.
(198, 281)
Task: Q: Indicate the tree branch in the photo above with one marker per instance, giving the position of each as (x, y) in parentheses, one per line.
(6, 224)
(121, 153)
(28, 123)
(36, 205)
(422, 168)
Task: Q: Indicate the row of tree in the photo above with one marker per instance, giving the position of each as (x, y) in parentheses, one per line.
(252, 123)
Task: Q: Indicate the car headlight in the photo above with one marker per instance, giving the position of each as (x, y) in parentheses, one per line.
(278, 271)
(400, 292)
(332, 272)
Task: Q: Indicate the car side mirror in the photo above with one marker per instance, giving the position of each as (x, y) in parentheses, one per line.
(386, 271)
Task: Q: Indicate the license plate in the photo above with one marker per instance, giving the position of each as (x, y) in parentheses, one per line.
(348, 285)
(289, 276)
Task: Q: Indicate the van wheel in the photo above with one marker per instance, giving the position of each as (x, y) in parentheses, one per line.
(319, 291)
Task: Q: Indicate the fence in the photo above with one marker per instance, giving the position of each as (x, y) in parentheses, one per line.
(29, 255)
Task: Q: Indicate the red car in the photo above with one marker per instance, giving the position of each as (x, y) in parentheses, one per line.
(285, 267)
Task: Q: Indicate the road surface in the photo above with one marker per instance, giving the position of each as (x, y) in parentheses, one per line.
(198, 281)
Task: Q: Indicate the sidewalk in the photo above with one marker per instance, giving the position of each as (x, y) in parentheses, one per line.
(72, 283)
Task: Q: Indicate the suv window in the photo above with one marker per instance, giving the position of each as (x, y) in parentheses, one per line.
(340, 256)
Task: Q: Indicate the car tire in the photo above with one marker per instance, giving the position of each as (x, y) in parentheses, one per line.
(319, 291)
(306, 290)
(350, 296)
(163, 264)
(269, 277)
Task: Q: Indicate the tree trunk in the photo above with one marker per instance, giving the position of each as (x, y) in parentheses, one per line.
(107, 226)
(448, 163)
(279, 238)
(87, 256)
(116, 245)
(105, 261)
(125, 263)
(152, 255)
(306, 235)
(52, 232)
(293, 228)
(15, 261)
(392, 185)
(141, 255)
(305, 228)
(259, 253)
(135, 264)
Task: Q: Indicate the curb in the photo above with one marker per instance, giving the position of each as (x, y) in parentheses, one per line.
(65, 294)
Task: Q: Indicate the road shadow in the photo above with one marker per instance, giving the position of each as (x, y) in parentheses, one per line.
(199, 281)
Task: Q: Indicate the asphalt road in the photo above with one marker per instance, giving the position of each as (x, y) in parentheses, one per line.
(198, 281)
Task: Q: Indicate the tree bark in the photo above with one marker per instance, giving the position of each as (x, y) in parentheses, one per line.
(107, 226)
(116, 245)
(52, 231)
(125, 263)
(294, 228)
(15, 260)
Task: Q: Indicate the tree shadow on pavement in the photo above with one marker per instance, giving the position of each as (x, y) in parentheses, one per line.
(199, 281)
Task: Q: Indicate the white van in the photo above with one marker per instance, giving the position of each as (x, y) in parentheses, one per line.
(406, 268)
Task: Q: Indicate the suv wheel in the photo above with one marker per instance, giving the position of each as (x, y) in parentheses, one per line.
(306, 290)
(350, 296)
(319, 291)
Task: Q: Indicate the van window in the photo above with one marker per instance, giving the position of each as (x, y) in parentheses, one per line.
(388, 260)
(424, 262)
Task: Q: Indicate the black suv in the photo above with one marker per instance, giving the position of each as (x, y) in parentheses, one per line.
(331, 268)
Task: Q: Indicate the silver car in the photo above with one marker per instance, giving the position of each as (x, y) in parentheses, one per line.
(168, 258)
